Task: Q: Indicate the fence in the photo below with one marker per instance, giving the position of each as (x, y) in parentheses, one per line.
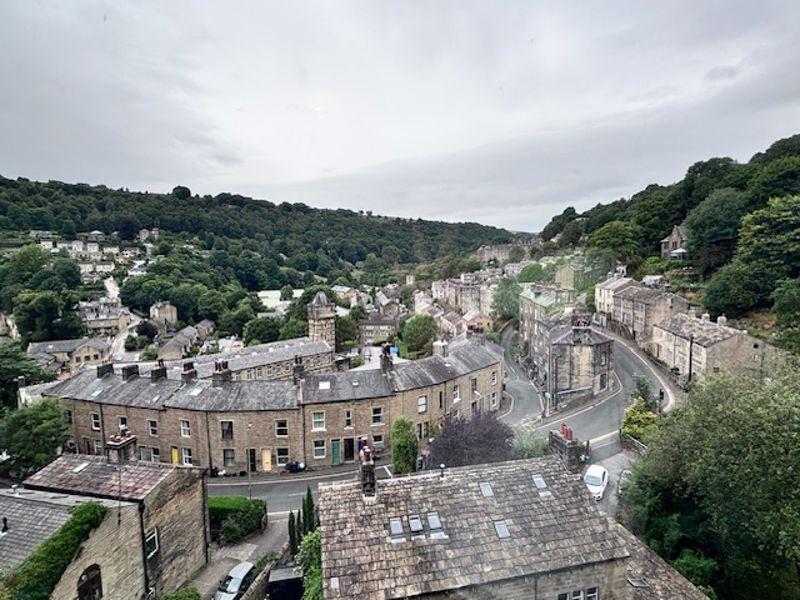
(632, 443)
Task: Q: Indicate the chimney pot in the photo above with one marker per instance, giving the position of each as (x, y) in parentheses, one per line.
(441, 470)
(706, 317)
(722, 320)
(104, 369)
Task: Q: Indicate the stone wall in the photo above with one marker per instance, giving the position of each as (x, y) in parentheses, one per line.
(116, 547)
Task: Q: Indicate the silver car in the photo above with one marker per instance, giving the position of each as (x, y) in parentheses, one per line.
(236, 583)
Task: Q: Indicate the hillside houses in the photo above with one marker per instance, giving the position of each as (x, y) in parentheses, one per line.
(64, 356)
(638, 308)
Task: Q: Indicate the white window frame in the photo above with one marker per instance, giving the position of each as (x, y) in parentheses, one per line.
(377, 439)
(281, 461)
(317, 444)
(494, 377)
(186, 429)
(221, 435)
(576, 595)
(456, 393)
(348, 419)
(97, 446)
(316, 418)
(122, 421)
(493, 400)
(152, 427)
(144, 454)
(593, 593)
(186, 453)
(285, 428)
(153, 535)
(422, 404)
(379, 415)
(95, 418)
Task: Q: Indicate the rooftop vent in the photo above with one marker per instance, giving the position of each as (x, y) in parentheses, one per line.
(502, 529)
(486, 489)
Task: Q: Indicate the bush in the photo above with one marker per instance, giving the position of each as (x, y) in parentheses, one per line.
(38, 574)
(234, 517)
(530, 445)
(184, 594)
(638, 422)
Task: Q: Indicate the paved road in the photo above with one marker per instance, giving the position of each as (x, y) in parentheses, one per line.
(526, 400)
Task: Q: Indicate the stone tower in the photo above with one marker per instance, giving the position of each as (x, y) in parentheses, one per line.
(322, 320)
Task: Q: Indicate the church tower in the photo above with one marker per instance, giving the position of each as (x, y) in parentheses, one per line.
(322, 320)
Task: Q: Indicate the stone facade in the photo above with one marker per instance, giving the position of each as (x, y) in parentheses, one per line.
(604, 296)
(257, 433)
(164, 315)
(674, 245)
(375, 328)
(68, 355)
(322, 320)
(637, 309)
(501, 252)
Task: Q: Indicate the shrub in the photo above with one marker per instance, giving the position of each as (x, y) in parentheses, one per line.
(234, 517)
(38, 574)
(184, 594)
(530, 445)
(638, 422)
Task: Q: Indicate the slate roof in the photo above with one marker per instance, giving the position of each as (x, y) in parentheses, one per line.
(463, 357)
(345, 385)
(706, 333)
(320, 299)
(65, 345)
(578, 336)
(378, 319)
(614, 283)
(100, 478)
(200, 394)
(563, 530)
(234, 396)
(638, 293)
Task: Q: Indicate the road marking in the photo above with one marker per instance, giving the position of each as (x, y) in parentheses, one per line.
(284, 513)
(272, 481)
(596, 441)
(511, 408)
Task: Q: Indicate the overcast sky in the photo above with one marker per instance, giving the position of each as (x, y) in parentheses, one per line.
(498, 112)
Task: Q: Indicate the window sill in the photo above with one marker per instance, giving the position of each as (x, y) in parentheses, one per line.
(378, 424)
(323, 430)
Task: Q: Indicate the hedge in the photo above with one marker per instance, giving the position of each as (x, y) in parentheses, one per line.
(183, 594)
(234, 517)
(37, 576)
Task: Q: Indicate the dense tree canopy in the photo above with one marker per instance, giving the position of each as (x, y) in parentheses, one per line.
(404, 446)
(32, 435)
(14, 363)
(483, 438)
(505, 302)
(418, 332)
(719, 480)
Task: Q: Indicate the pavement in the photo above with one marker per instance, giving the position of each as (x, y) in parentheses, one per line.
(223, 558)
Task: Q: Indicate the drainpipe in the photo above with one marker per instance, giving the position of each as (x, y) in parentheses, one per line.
(144, 550)
(691, 351)
(208, 444)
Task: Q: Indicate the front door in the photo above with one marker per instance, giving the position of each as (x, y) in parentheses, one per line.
(174, 454)
(266, 459)
(349, 449)
(251, 459)
(336, 452)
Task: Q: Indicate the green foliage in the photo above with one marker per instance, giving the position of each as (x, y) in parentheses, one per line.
(262, 330)
(188, 593)
(619, 237)
(720, 477)
(639, 422)
(42, 316)
(287, 293)
(529, 445)
(310, 558)
(713, 227)
(770, 239)
(735, 289)
(36, 577)
(235, 517)
(32, 435)
(786, 299)
(516, 254)
(309, 515)
(505, 303)
(698, 569)
(346, 330)
(419, 332)
(404, 446)
(14, 363)
(557, 224)
(532, 273)
(481, 439)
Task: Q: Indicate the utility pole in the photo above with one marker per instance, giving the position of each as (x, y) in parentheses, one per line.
(691, 364)
(249, 465)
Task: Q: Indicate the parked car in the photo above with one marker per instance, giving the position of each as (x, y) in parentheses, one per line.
(236, 582)
(596, 479)
(622, 483)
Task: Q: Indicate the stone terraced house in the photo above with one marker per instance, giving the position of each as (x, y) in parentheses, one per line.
(258, 425)
(519, 530)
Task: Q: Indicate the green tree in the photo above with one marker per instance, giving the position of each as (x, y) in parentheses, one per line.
(532, 273)
(639, 422)
(418, 332)
(14, 363)
(346, 330)
(233, 321)
(310, 558)
(210, 305)
(786, 298)
(309, 516)
(619, 237)
(293, 328)
(780, 177)
(571, 234)
(737, 288)
(42, 316)
(262, 330)
(770, 239)
(32, 435)
(505, 303)
(358, 312)
(181, 192)
(287, 293)
(719, 477)
(481, 439)
(713, 228)
(404, 446)
(516, 254)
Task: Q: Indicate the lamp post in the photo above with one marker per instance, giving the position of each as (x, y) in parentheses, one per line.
(249, 465)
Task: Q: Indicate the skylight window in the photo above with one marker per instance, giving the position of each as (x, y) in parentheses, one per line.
(541, 486)
(196, 391)
(96, 393)
(415, 523)
(434, 522)
(80, 467)
(395, 527)
(486, 490)
(502, 529)
(355, 383)
(324, 385)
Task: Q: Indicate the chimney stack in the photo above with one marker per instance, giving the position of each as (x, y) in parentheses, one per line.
(121, 448)
(386, 358)
(222, 373)
(692, 312)
(298, 370)
(368, 485)
(158, 372)
(189, 372)
(440, 348)
(706, 317)
(722, 320)
(104, 369)
(129, 371)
